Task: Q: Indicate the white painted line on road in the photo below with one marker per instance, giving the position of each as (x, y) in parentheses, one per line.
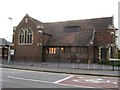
(19, 78)
(74, 85)
(63, 79)
(57, 82)
(80, 77)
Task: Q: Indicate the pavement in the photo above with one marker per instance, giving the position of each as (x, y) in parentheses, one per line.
(64, 70)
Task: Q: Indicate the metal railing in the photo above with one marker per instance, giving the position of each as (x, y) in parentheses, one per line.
(72, 65)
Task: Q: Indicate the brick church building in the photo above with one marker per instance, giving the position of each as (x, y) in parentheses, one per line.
(84, 41)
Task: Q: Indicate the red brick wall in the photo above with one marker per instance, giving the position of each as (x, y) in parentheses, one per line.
(27, 52)
(66, 57)
(103, 37)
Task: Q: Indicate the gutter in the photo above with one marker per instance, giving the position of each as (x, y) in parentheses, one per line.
(93, 38)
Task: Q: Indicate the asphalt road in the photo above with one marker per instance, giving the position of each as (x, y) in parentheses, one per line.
(14, 78)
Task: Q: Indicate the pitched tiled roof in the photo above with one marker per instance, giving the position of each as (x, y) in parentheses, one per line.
(36, 21)
(81, 38)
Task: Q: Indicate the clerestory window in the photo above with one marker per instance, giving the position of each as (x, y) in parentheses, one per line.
(69, 29)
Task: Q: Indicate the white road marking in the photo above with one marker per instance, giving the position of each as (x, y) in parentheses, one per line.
(80, 77)
(26, 79)
(93, 80)
(100, 81)
(74, 85)
(75, 80)
(58, 81)
(19, 78)
(108, 81)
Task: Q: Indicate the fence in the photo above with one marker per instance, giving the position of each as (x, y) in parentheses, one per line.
(72, 65)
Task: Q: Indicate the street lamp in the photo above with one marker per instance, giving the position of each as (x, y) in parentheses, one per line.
(9, 40)
(10, 29)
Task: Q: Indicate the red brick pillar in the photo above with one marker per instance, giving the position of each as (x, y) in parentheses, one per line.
(40, 42)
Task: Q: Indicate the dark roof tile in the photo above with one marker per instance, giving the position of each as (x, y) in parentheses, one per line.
(81, 38)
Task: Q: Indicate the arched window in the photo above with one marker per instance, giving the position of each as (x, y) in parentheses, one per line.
(26, 36)
(21, 37)
(29, 37)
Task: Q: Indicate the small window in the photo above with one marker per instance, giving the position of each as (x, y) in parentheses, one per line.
(67, 50)
(51, 50)
(26, 20)
(82, 50)
(68, 29)
(62, 50)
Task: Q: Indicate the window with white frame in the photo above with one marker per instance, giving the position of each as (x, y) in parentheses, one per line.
(21, 36)
(25, 36)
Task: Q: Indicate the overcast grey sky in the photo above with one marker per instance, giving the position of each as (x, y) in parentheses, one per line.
(53, 10)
